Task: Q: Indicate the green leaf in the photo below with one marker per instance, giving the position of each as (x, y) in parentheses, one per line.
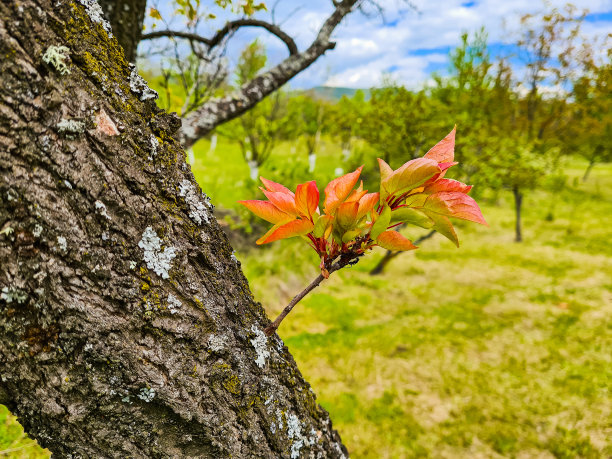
(321, 225)
(411, 216)
(350, 235)
(443, 226)
(381, 223)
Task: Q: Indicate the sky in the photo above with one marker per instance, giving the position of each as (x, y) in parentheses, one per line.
(406, 45)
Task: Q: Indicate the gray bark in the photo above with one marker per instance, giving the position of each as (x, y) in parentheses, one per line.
(127, 329)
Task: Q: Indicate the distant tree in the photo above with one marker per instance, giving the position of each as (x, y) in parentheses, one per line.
(311, 115)
(261, 128)
(590, 131)
(346, 121)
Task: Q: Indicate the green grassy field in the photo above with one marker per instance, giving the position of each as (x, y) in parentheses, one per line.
(496, 349)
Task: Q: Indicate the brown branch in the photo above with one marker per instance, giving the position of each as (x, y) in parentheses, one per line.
(345, 259)
(226, 30)
(176, 34)
(270, 329)
(220, 110)
(272, 28)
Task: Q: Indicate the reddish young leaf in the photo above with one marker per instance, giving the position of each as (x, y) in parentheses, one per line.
(392, 240)
(338, 190)
(346, 215)
(276, 187)
(447, 185)
(444, 150)
(366, 204)
(283, 201)
(266, 210)
(357, 194)
(287, 230)
(307, 198)
(454, 204)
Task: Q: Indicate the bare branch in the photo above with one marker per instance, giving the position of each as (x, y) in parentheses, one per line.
(219, 110)
(227, 29)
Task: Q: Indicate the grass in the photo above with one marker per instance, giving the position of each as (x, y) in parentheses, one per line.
(14, 443)
(495, 349)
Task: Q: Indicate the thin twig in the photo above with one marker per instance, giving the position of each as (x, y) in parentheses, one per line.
(345, 259)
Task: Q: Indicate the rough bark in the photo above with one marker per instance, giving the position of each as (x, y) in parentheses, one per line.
(127, 329)
(126, 18)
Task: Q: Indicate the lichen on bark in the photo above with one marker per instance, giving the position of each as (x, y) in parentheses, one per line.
(86, 371)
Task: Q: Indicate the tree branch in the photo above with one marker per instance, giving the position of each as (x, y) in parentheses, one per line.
(345, 259)
(227, 29)
(220, 110)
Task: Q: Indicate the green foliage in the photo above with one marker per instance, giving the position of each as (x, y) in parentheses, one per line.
(14, 443)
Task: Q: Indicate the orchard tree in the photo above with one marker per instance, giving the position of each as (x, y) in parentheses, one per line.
(311, 117)
(397, 123)
(346, 120)
(590, 129)
(259, 130)
(127, 328)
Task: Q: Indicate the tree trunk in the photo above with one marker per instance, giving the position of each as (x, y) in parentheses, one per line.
(518, 202)
(126, 18)
(127, 328)
(384, 261)
(588, 170)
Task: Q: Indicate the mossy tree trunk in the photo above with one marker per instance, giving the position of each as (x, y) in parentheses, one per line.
(127, 328)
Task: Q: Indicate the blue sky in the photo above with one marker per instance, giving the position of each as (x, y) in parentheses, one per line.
(407, 45)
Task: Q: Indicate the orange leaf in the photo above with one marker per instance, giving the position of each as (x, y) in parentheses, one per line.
(392, 240)
(283, 201)
(338, 189)
(346, 215)
(287, 230)
(454, 204)
(307, 198)
(447, 185)
(276, 187)
(266, 210)
(366, 204)
(444, 150)
(357, 194)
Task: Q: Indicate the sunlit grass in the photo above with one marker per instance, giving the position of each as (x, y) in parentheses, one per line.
(14, 444)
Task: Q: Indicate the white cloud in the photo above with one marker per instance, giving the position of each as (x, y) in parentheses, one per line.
(367, 48)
